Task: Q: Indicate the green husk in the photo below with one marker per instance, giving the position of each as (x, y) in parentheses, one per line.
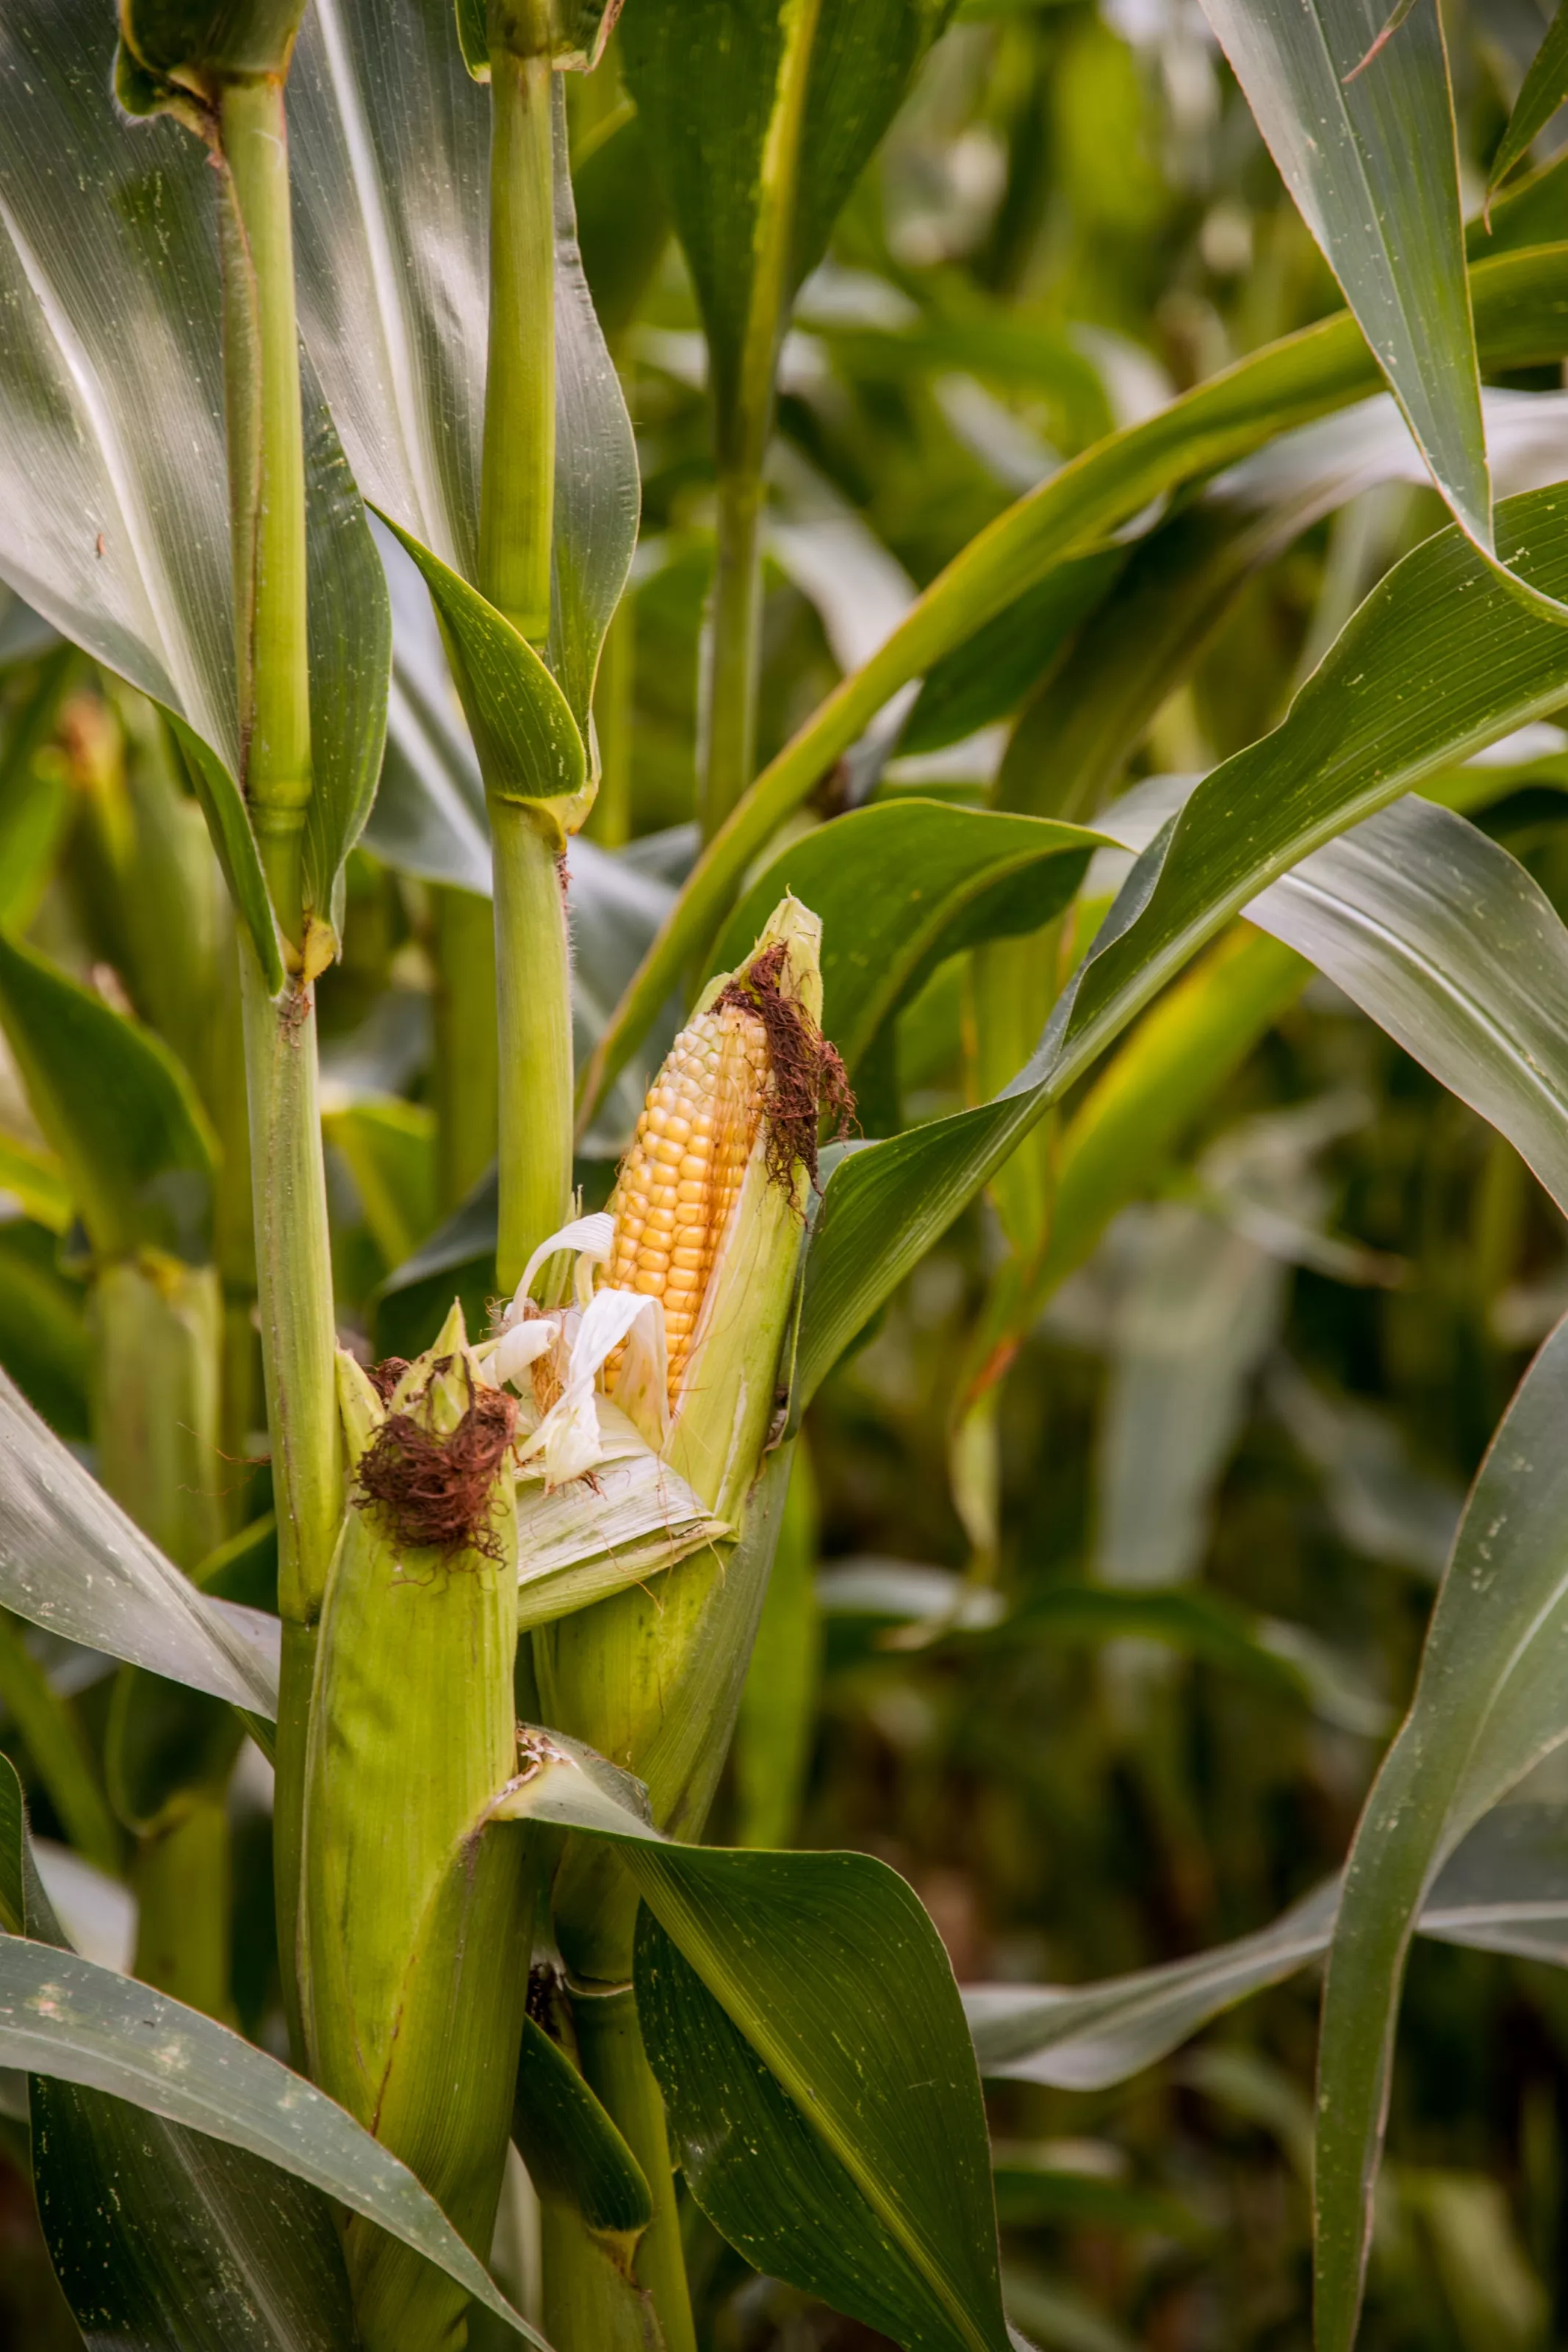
(416, 1912)
(645, 1677)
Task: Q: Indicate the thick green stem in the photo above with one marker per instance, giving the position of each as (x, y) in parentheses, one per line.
(518, 487)
(267, 491)
(298, 1339)
(727, 719)
(533, 985)
(534, 1011)
(733, 654)
(465, 1067)
(615, 2066)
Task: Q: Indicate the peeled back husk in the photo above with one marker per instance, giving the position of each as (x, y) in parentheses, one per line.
(416, 1910)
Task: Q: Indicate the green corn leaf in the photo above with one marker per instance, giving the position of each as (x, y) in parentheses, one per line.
(763, 2175)
(1441, 659)
(622, 224)
(773, 1731)
(114, 516)
(987, 676)
(901, 885)
(759, 121)
(151, 2225)
(840, 2028)
(1504, 1890)
(58, 1749)
(1489, 1703)
(391, 155)
(43, 1326)
(1451, 946)
(248, 2234)
(1542, 91)
(390, 1147)
(514, 706)
(574, 2154)
(1324, 367)
(72, 1562)
(1348, 98)
(130, 1133)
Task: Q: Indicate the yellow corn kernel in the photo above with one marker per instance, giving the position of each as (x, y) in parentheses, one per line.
(681, 1181)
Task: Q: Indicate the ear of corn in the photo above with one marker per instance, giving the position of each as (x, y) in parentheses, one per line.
(646, 1677)
(414, 1923)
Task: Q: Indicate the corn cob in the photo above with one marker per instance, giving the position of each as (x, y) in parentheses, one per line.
(723, 1156)
(681, 1178)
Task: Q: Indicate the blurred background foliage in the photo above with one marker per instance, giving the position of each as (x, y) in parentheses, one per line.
(1105, 1668)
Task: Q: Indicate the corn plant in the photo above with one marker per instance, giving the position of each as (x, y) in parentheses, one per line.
(316, 473)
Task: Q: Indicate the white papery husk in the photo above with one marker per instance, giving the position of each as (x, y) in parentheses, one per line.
(599, 1508)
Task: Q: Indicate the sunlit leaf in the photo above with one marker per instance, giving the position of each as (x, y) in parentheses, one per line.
(1324, 367)
(114, 517)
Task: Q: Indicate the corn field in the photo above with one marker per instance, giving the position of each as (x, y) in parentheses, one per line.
(784, 1140)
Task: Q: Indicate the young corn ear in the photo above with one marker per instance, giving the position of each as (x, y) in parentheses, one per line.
(709, 1212)
(415, 1919)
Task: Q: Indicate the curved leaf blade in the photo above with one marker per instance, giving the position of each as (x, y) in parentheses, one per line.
(515, 709)
(76, 2023)
(1451, 946)
(135, 1143)
(1347, 101)
(886, 2086)
(1542, 91)
(1490, 1702)
(150, 2226)
(902, 885)
(756, 2168)
(1442, 658)
(71, 1561)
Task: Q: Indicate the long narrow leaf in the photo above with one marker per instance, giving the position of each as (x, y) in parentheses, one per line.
(1362, 128)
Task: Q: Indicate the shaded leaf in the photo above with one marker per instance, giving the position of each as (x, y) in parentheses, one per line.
(160, 2234)
(574, 2152)
(57, 1748)
(76, 2023)
(117, 1107)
